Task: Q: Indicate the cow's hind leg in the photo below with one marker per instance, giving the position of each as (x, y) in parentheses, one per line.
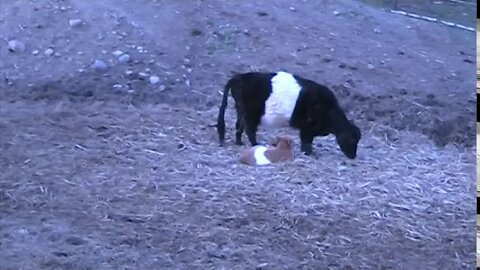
(251, 130)
(240, 124)
(240, 127)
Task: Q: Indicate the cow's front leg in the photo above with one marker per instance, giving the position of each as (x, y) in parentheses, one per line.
(306, 139)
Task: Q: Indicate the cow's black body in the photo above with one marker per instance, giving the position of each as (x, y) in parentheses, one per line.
(317, 112)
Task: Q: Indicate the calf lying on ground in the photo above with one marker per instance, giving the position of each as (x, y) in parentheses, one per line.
(281, 99)
(262, 155)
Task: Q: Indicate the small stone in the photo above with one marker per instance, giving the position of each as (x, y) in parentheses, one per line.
(376, 30)
(187, 82)
(292, 9)
(117, 86)
(117, 53)
(76, 241)
(16, 46)
(336, 13)
(48, 52)
(162, 87)
(35, 52)
(124, 58)
(131, 91)
(154, 79)
(62, 8)
(75, 22)
(142, 75)
(370, 66)
(99, 66)
(261, 266)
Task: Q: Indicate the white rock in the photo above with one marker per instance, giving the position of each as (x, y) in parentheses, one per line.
(124, 58)
(99, 66)
(75, 22)
(48, 52)
(117, 53)
(35, 52)
(292, 9)
(370, 66)
(16, 46)
(154, 79)
(336, 13)
(162, 87)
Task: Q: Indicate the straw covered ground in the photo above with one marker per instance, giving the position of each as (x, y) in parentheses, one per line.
(110, 187)
(110, 171)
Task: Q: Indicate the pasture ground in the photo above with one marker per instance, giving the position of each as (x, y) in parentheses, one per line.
(107, 171)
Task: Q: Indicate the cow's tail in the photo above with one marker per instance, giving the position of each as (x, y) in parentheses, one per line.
(221, 112)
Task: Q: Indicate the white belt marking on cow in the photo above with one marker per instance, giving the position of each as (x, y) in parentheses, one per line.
(281, 102)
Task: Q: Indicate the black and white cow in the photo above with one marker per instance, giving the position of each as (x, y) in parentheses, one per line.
(281, 99)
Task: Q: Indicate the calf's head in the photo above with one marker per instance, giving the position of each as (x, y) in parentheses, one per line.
(284, 142)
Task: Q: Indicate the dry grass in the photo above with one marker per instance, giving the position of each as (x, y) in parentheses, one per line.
(150, 187)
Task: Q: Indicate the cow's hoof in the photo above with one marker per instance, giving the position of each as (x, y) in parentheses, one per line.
(307, 149)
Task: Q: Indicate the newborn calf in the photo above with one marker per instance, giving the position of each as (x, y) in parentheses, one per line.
(262, 155)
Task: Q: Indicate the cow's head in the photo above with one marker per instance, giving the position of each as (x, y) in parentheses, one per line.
(348, 139)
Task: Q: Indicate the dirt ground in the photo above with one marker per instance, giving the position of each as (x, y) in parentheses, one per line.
(106, 170)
